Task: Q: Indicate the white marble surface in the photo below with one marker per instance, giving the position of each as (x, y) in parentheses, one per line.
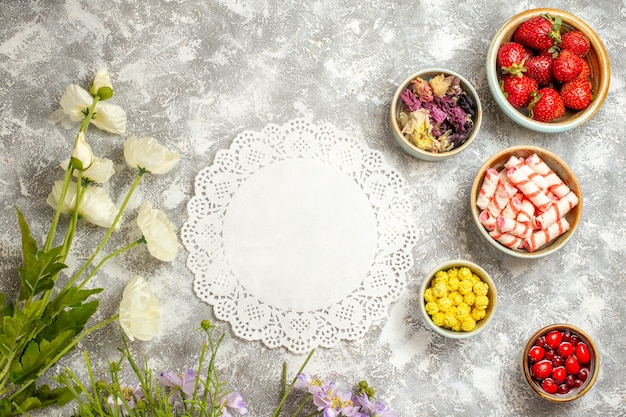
(196, 73)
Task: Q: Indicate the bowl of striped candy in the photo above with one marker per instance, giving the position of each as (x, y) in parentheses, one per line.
(526, 201)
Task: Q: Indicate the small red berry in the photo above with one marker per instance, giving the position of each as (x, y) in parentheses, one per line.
(582, 353)
(563, 389)
(570, 381)
(566, 66)
(518, 89)
(550, 353)
(559, 374)
(511, 58)
(541, 341)
(583, 374)
(576, 93)
(539, 68)
(546, 106)
(549, 386)
(566, 349)
(554, 339)
(557, 360)
(575, 41)
(542, 369)
(572, 366)
(536, 353)
(538, 32)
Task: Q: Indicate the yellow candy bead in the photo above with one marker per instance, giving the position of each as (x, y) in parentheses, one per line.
(463, 310)
(478, 313)
(445, 305)
(440, 290)
(456, 297)
(429, 296)
(432, 307)
(468, 324)
(465, 273)
(439, 318)
(465, 286)
(469, 298)
(482, 301)
(481, 288)
(453, 283)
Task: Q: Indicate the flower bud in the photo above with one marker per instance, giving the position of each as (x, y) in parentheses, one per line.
(101, 85)
(82, 157)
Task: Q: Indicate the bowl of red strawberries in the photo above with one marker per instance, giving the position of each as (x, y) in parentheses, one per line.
(560, 362)
(548, 70)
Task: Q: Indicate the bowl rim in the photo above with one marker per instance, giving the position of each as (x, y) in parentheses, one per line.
(394, 108)
(516, 115)
(593, 374)
(543, 251)
(484, 276)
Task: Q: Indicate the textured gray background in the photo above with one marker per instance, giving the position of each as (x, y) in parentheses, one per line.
(194, 74)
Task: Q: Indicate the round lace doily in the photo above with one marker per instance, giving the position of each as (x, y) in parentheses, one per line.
(299, 236)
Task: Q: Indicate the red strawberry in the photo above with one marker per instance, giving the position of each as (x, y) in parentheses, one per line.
(546, 105)
(576, 94)
(511, 57)
(567, 66)
(539, 32)
(576, 42)
(586, 71)
(518, 89)
(540, 69)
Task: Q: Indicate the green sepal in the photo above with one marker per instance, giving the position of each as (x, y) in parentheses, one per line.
(76, 163)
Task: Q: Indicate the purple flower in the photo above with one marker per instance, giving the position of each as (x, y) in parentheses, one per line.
(312, 385)
(186, 382)
(410, 100)
(374, 409)
(131, 396)
(334, 403)
(232, 402)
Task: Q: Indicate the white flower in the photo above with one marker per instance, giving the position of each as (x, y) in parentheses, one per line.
(82, 152)
(150, 155)
(158, 232)
(139, 310)
(101, 85)
(100, 171)
(109, 117)
(96, 207)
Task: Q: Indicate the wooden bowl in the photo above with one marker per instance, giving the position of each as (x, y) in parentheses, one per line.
(593, 366)
(557, 165)
(597, 59)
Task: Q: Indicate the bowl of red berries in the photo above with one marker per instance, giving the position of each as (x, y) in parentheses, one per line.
(435, 113)
(548, 70)
(561, 362)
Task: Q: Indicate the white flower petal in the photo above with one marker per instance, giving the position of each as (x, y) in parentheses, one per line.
(110, 117)
(74, 101)
(82, 152)
(139, 310)
(159, 233)
(101, 79)
(99, 172)
(147, 153)
(96, 207)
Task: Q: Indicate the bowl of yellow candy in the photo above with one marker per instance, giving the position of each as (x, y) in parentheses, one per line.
(458, 299)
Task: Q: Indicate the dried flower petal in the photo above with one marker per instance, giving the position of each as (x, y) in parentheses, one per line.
(158, 232)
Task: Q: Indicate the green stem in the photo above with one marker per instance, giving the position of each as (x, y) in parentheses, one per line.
(91, 110)
(288, 391)
(109, 232)
(302, 404)
(63, 352)
(102, 262)
(71, 231)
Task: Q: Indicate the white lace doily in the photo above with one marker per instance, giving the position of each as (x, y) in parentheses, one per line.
(299, 236)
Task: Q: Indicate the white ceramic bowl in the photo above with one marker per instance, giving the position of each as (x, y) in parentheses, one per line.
(481, 325)
(598, 63)
(397, 106)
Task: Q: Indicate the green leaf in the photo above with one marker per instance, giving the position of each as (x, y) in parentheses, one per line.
(73, 296)
(6, 309)
(37, 357)
(39, 271)
(44, 397)
(29, 246)
(74, 319)
(5, 407)
(17, 327)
